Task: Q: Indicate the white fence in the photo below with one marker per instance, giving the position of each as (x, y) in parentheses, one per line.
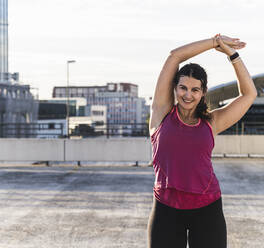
(113, 149)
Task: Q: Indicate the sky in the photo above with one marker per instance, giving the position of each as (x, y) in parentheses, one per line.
(126, 40)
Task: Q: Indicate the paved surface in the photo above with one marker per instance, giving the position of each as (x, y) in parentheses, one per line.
(108, 206)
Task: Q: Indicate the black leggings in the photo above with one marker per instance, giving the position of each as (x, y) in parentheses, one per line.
(167, 226)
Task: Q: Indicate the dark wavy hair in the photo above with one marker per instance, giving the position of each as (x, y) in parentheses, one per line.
(199, 73)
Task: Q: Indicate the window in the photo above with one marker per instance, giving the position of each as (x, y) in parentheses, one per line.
(96, 112)
(51, 126)
(73, 91)
(80, 91)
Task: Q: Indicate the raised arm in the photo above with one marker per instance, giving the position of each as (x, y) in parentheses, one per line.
(163, 96)
(163, 99)
(228, 115)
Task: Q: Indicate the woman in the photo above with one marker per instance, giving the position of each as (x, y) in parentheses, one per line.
(187, 203)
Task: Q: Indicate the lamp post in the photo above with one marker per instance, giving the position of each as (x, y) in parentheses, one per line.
(68, 98)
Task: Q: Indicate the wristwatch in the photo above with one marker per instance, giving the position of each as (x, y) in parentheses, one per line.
(233, 56)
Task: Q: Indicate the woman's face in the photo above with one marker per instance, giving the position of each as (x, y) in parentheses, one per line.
(188, 92)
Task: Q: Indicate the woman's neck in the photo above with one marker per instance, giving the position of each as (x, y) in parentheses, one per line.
(186, 114)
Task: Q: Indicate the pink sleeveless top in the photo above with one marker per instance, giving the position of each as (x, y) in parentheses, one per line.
(182, 163)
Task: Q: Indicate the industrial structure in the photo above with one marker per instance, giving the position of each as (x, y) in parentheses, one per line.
(18, 109)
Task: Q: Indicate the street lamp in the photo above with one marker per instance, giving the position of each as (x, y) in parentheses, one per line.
(68, 100)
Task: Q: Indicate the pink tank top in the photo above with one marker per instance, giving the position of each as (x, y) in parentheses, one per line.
(180, 199)
(182, 163)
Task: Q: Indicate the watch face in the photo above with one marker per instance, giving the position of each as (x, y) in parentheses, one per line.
(232, 57)
(235, 55)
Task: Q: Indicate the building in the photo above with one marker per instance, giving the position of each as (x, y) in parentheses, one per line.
(253, 121)
(52, 118)
(77, 105)
(52, 122)
(95, 119)
(18, 108)
(126, 112)
(219, 95)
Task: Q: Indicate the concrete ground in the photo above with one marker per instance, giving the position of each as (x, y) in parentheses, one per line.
(108, 206)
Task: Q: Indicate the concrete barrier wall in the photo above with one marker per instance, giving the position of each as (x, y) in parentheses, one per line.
(252, 144)
(112, 149)
(31, 150)
(230, 144)
(239, 144)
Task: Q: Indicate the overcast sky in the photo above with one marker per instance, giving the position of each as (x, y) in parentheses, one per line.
(126, 40)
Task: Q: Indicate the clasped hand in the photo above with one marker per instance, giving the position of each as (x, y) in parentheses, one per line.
(226, 44)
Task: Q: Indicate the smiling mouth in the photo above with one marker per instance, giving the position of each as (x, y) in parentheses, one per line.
(187, 101)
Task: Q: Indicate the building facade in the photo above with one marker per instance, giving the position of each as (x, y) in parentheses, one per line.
(253, 121)
(52, 118)
(52, 122)
(124, 107)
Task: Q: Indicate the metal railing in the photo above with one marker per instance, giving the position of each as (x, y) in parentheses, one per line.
(245, 128)
(112, 129)
(58, 130)
(31, 130)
